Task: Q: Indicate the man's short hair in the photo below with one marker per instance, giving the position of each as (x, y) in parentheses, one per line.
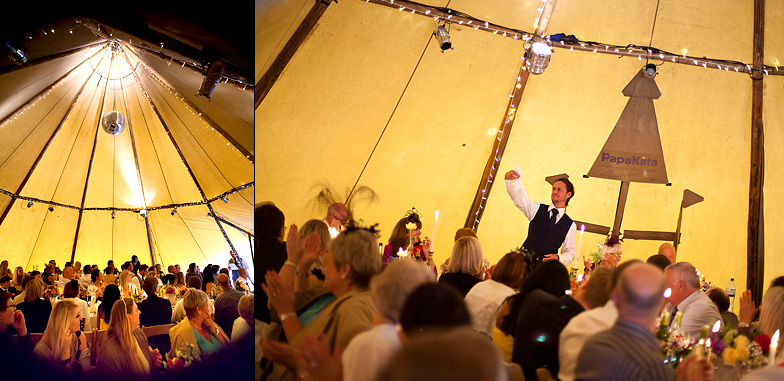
(719, 298)
(685, 271)
(596, 292)
(245, 308)
(143, 268)
(26, 280)
(149, 285)
(619, 269)
(659, 260)
(569, 187)
(194, 282)
(638, 302)
(4, 279)
(223, 281)
(268, 220)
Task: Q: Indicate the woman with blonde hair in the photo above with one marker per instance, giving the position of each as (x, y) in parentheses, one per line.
(179, 279)
(5, 271)
(63, 343)
(127, 288)
(197, 327)
(126, 353)
(19, 275)
(35, 309)
(465, 266)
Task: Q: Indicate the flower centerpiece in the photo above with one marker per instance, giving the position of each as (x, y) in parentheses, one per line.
(184, 357)
(169, 292)
(740, 347)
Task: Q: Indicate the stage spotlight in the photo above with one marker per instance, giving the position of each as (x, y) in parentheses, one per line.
(537, 56)
(51, 209)
(212, 75)
(29, 204)
(650, 70)
(113, 214)
(17, 56)
(442, 35)
(143, 212)
(225, 199)
(174, 211)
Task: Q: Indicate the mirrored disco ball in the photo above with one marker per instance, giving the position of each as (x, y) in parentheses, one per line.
(113, 122)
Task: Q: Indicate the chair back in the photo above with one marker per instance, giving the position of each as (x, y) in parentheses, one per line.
(158, 337)
(35, 338)
(98, 338)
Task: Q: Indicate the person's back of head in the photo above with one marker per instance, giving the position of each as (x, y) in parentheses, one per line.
(94, 275)
(170, 269)
(639, 295)
(719, 298)
(465, 232)
(194, 282)
(550, 277)
(34, 290)
(597, 291)
(391, 288)
(778, 282)
(268, 221)
(686, 272)
(87, 269)
(320, 228)
(456, 355)
(27, 280)
(466, 257)
(150, 285)
(246, 310)
(772, 311)
(659, 261)
(512, 269)
(433, 306)
(111, 294)
(71, 289)
(224, 281)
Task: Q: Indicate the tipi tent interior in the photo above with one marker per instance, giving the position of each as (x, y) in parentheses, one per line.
(359, 93)
(174, 186)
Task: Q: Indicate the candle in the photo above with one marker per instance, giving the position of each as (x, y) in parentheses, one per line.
(774, 345)
(665, 319)
(708, 348)
(402, 253)
(333, 232)
(699, 349)
(580, 242)
(716, 326)
(433, 238)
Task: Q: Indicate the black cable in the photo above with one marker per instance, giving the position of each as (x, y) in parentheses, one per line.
(653, 28)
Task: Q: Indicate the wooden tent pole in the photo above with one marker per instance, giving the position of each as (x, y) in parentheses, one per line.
(755, 255)
(204, 116)
(51, 57)
(138, 170)
(54, 133)
(184, 161)
(267, 80)
(505, 129)
(90, 165)
(677, 240)
(624, 193)
(233, 225)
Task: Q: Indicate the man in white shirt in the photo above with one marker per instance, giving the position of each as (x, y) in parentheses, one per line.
(243, 279)
(68, 275)
(86, 279)
(550, 227)
(687, 297)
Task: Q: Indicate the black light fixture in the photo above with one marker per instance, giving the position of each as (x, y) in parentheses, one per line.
(51, 208)
(17, 55)
(212, 75)
(143, 212)
(442, 35)
(113, 214)
(29, 204)
(174, 211)
(650, 70)
(225, 199)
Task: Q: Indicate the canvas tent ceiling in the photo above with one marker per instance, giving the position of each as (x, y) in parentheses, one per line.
(369, 96)
(176, 150)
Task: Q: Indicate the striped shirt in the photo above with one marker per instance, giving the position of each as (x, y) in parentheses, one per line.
(626, 351)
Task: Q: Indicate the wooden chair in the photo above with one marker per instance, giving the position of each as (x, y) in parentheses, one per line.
(98, 338)
(158, 337)
(543, 374)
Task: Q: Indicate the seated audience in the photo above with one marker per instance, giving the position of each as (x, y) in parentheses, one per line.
(63, 344)
(246, 322)
(465, 265)
(155, 311)
(68, 275)
(226, 304)
(585, 325)
(96, 286)
(485, 299)
(71, 292)
(14, 354)
(19, 299)
(629, 350)
(35, 309)
(659, 261)
(197, 327)
(125, 353)
(19, 275)
(179, 311)
(86, 279)
(722, 302)
(111, 294)
(687, 297)
(771, 315)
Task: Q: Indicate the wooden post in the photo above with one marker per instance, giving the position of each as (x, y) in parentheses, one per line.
(621, 206)
(267, 80)
(678, 230)
(755, 255)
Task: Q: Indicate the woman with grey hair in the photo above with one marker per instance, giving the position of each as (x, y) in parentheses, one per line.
(465, 265)
(197, 327)
(350, 261)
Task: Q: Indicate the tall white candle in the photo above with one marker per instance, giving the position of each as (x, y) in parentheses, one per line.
(580, 243)
(433, 238)
(774, 345)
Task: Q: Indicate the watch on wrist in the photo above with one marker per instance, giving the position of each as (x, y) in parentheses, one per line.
(285, 316)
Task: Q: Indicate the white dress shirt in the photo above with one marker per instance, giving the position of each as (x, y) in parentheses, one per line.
(578, 331)
(369, 352)
(698, 311)
(520, 198)
(483, 302)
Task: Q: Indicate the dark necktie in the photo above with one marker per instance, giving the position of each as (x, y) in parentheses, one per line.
(553, 217)
(672, 316)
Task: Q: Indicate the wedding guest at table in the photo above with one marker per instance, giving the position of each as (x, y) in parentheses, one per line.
(111, 294)
(95, 289)
(5, 270)
(687, 297)
(771, 315)
(5, 285)
(63, 344)
(71, 292)
(722, 301)
(668, 250)
(207, 282)
(127, 288)
(138, 278)
(125, 353)
(35, 309)
(19, 299)
(246, 322)
(154, 310)
(585, 325)
(629, 350)
(86, 279)
(110, 269)
(659, 261)
(485, 298)
(14, 354)
(179, 311)
(465, 265)
(77, 266)
(197, 327)
(193, 270)
(68, 275)
(19, 275)
(350, 261)
(410, 240)
(136, 264)
(48, 275)
(179, 279)
(226, 304)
